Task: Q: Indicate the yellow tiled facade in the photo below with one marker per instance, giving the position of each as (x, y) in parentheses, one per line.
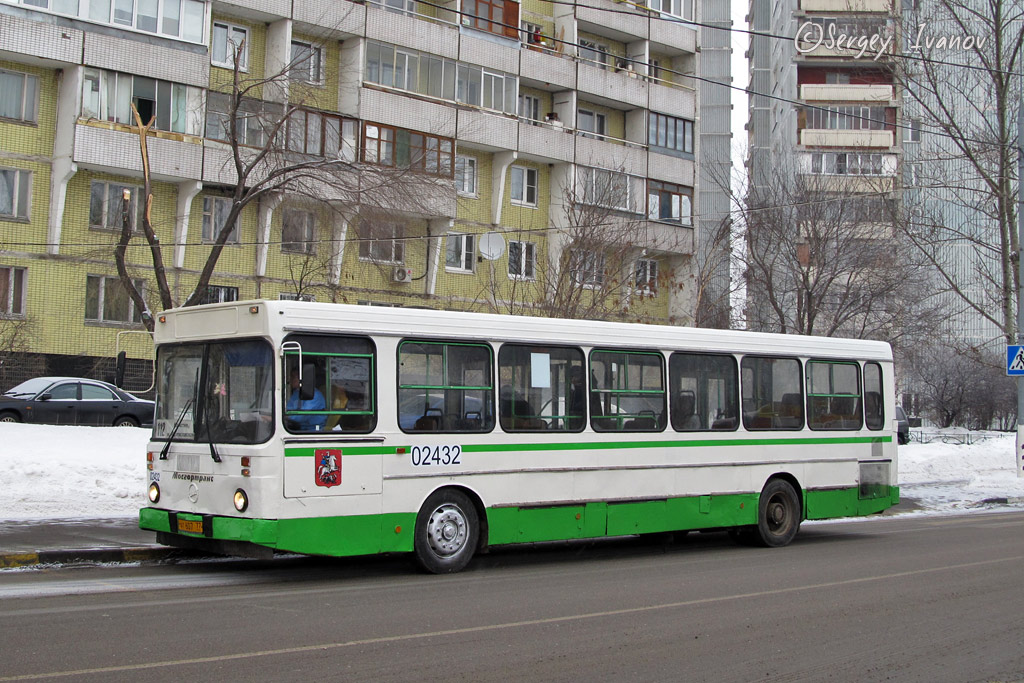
(58, 256)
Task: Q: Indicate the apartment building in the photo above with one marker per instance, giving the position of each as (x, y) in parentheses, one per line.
(824, 111)
(520, 113)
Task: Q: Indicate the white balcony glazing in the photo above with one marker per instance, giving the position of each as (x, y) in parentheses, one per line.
(846, 93)
(817, 137)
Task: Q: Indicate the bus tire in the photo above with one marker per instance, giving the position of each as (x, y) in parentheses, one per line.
(778, 514)
(447, 532)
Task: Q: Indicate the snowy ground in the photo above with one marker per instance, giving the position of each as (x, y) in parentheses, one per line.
(96, 472)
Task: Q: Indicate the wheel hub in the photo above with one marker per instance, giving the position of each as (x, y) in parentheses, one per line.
(447, 530)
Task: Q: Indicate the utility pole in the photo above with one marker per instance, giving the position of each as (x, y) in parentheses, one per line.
(1019, 455)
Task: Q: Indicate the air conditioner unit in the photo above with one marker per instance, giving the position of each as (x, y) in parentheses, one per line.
(402, 274)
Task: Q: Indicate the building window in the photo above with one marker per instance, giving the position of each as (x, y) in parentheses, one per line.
(109, 96)
(322, 135)
(610, 189)
(530, 33)
(587, 267)
(253, 119)
(219, 294)
(18, 96)
(522, 260)
(15, 193)
(524, 186)
(12, 292)
(441, 78)
(529, 108)
(107, 300)
(677, 8)
(646, 280)
(591, 122)
(307, 63)
(837, 78)
(847, 163)
(669, 132)
(595, 53)
(460, 252)
(494, 16)
(106, 202)
(215, 215)
(297, 230)
(465, 175)
(382, 242)
(229, 40)
(401, 148)
(292, 296)
(669, 202)
(914, 134)
(846, 118)
(184, 19)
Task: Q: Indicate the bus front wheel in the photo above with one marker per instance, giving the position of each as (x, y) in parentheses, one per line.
(447, 532)
(778, 514)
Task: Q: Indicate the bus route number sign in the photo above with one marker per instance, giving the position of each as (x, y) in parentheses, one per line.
(426, 456)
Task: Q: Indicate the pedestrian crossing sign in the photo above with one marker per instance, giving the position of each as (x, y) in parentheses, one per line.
(1015, 360)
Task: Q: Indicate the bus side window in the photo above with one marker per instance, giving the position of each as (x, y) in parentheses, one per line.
(874, 407)
(703, 392)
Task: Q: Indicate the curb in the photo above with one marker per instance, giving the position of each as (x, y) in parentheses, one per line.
(98, 555)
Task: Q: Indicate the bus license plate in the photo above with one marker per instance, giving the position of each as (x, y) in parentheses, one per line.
(190, 526)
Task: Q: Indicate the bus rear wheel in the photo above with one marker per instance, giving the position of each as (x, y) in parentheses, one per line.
(447, 532)
(778, 514)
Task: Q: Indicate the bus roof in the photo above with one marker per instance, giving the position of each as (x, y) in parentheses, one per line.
(212, 321)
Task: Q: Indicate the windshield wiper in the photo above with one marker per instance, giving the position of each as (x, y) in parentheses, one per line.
(177, 423)
(209, 432)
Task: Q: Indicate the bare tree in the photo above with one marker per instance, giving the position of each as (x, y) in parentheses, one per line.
(603, 259)
(16, 361)
(961, 93)
(823, 258)
(265, 158)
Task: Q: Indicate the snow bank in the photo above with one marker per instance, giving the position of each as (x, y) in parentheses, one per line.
(96, 472)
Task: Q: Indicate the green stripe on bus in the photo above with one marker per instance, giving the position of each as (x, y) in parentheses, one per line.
(604, 445)
(393, 532)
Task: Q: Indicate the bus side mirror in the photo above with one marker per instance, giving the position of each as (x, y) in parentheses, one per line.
(119, 369)
(307, 388)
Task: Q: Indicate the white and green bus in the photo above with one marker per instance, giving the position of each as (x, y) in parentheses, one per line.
(347, 430)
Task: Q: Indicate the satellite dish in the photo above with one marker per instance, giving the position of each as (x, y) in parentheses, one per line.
(492, 246)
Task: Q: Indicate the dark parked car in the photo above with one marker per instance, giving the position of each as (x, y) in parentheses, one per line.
(902, 427)
(74, 401)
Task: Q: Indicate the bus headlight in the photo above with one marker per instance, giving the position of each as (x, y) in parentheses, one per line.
(154, 493)
(241, 500)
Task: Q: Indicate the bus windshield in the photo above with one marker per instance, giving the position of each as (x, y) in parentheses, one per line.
(217, 392)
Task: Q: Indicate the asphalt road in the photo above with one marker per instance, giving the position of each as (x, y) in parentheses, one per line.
(894, 599)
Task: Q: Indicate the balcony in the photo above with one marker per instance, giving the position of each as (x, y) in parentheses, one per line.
(541, 142)
(345, 18)
(675, 99)
(816, 137)
(114, 148)
(490, 130)
(40, 40)
(670, 169)
(613, 20)
(667, 238)
(412, 31)
(263, 10)
(604, 153)
(547, 69)
(841, 92)
(617, 89)
(162, 62)
(846, 5)
(403, 111)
